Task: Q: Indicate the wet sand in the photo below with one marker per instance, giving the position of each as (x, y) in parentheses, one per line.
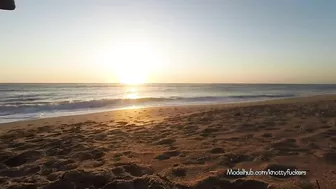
(175, 147)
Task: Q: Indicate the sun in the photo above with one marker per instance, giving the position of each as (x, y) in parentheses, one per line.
(132, 61)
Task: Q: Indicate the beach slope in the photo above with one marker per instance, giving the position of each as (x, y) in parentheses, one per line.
(176, 147)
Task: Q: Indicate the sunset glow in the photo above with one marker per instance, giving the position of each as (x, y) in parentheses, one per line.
(131, 61)
(134, 42)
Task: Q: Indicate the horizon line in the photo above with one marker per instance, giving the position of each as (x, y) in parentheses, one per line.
(237, 83)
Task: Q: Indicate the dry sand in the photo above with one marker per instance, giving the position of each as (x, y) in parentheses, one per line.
(175, 147)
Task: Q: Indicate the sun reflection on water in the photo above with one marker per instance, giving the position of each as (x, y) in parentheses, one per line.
(131, 93)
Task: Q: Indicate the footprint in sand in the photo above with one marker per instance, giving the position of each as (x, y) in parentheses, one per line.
(80, 179)
(330, 157)
(217, 150)
(329, 133)
(54, 176)
(82, 156)
(232, 159)
(168, 155)
(59, 165)
(166, 141)
(132, 169)
(20, 172)
(25, 157)
(179, 171)
(4, 155)
(267, 135)
(100, 136)
(287, 147)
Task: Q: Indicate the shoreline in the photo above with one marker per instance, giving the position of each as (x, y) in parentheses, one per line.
(205, 105)
(76, 112)
(220, 104)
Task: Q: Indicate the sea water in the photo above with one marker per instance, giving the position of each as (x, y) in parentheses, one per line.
(32, 101)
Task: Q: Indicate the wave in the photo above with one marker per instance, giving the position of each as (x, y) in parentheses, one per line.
(31, 107)
(20, 99)
(14, 108)
(264, 96)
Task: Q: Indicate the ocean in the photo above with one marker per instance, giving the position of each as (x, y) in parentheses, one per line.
(33, 101)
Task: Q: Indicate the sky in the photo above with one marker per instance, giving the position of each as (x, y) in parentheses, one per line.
(175, 41)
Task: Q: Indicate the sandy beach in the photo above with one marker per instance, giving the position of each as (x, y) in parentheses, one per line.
(176, 147)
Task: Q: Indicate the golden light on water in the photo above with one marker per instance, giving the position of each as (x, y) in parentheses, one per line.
(131, 94)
